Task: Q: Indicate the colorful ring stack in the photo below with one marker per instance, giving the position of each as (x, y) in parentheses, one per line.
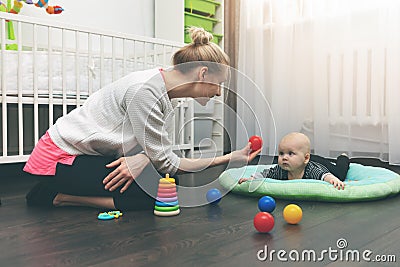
(167, 198)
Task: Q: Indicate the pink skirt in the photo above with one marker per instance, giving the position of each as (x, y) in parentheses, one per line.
(45, 156)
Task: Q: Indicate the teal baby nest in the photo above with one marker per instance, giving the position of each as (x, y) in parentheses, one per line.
(363, 183)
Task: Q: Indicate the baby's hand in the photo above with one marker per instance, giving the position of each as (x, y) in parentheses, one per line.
(334, 181)
(242, 180)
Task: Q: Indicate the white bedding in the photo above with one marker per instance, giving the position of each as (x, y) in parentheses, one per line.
(89, 70)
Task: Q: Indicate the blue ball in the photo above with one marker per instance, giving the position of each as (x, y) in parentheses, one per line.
(266, 204)
(213, 196)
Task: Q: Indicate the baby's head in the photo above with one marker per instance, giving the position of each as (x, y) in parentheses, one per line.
(299, 140)
(294, 151)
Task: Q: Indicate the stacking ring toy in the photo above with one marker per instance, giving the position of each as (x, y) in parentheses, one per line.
(166, 204)
(169, 185)
(166, 190)
(166, 195)
(164, 209)
(167, 213)
(167, 199)
(167, 181)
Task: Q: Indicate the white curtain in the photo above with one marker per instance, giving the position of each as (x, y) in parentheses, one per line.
(328, 68)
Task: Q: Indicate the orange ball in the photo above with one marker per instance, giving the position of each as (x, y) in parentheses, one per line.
(292, 214)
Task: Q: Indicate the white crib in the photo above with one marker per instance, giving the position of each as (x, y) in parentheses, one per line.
(57, 66)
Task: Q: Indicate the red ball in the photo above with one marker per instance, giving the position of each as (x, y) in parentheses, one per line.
(263, 222)
(256, 142)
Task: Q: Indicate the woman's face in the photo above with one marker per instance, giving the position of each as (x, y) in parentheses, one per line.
(209, 86)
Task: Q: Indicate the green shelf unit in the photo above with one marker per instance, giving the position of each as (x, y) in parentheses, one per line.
(202, 7)
(217, 38)
(174, 17)
(199, 21)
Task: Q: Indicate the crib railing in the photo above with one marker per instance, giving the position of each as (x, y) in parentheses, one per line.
(55, 67)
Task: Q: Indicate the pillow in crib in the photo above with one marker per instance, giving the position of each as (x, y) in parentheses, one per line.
(363, 183)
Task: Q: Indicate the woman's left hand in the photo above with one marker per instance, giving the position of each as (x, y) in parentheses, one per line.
(127, 169)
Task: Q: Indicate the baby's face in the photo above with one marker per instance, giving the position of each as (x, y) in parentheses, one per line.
(291, 156)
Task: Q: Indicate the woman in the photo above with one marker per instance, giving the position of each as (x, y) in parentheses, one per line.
(83, 151)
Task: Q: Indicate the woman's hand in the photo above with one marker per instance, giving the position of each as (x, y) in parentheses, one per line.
(236, 158)
(126, 170)
(243, 156)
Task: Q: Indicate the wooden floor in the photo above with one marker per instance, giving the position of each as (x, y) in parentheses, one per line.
(220, 235)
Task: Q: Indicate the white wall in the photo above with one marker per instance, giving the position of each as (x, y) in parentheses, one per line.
(133, 16)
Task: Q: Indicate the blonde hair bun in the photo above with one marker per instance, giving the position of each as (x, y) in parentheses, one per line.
(200, 36)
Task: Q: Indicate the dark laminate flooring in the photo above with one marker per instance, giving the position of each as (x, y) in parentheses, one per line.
(220, 235)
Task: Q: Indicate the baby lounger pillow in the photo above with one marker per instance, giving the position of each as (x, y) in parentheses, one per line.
(363, 183)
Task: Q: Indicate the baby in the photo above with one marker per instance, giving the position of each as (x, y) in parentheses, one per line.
(296, 162)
